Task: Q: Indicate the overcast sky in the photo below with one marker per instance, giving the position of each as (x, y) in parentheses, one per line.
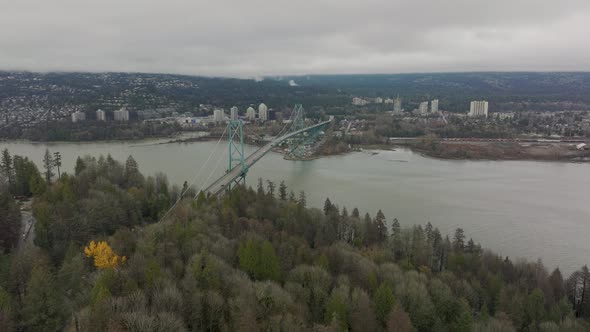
(246, 38)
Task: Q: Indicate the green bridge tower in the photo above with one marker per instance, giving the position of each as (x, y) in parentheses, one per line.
(236, 150)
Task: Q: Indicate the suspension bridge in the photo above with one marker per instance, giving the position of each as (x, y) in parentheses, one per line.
(295, 133)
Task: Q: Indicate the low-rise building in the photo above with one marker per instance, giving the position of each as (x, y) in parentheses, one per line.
(359, 101)
(504, 115)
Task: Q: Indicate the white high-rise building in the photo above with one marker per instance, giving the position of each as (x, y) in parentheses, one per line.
(263, 112)
(434, 106)
(121, 115)
(101, 115)
(478, 108)
(397, 105)
(378, 100)
(423, 108)
(233, 113)
(218, 115)
(78, 116)
(251, 114)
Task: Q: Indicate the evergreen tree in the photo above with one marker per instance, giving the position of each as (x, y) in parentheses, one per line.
(260, 189)
(470, 246)
(578, 291)
(336, 308)
(57, 163)
(437, 249)
(396, 239)
(10, 222)
(7, 167)
(270, 188)
(302, 202)
(395, 228)
(356, 213)
(282, 191)
(201, 199)
(79, 166)
(26, 177)
(459, 240)
(429, 231)
(464, 320)
(534, 309)
(327, 206)
(259, 260)
(131, 166)
(42, 305)
(6, 311)
(557, 284)
(48, 165)
(384, 302)
(380, 226)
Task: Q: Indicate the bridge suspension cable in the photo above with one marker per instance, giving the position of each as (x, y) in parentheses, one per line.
(194, 178)
(215, 167)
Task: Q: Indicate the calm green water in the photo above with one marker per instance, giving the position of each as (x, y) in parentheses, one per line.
(516, 208)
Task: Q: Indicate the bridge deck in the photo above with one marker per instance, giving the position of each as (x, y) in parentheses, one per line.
(220, 184)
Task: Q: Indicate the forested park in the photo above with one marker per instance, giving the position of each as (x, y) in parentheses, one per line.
(116, 250)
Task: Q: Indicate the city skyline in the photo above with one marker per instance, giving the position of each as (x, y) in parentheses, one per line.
(236, 39)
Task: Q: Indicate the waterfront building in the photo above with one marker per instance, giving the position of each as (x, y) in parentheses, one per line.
(423, 108)
(397, 105)
(434, 106)
(263, 112)
(388, 101)
(378, 100)
(359, 101)
(234, 113)
(251, 114)
(218, 115)
(121, 115)
(78, 116)
(478, 108)
(101, 115)
(504, 115)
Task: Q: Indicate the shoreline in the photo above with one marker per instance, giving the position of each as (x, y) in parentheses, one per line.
(490, 151)
(465, 151)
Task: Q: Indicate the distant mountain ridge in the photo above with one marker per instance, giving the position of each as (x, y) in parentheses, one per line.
(484, 83)
(506, 91)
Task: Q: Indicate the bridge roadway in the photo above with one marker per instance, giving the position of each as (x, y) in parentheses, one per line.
(220, 184)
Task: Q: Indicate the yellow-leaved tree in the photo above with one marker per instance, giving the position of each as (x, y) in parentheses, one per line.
(103, 254)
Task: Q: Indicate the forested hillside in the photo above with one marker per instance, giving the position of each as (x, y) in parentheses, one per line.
(110, 254)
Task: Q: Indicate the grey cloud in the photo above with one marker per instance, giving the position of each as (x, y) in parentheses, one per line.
(253, 38)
